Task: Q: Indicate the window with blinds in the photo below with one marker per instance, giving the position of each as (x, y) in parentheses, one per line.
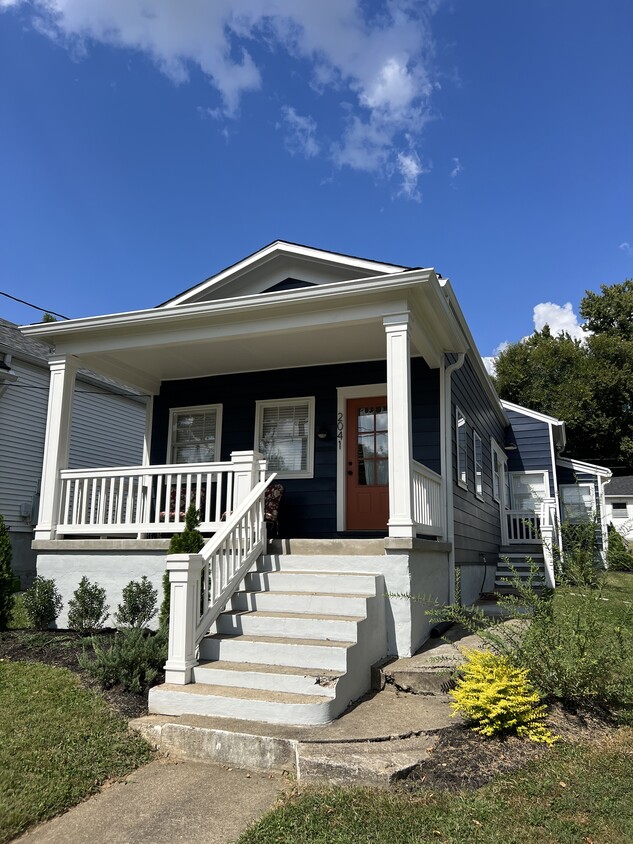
(194, 434)
(285, 436)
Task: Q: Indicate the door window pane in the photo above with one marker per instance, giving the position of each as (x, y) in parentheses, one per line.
(372, 447)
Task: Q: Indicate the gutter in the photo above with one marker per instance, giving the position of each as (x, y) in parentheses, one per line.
(448, 470)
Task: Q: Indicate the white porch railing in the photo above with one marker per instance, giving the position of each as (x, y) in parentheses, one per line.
(428, 510)
(153, 499)
(201, 584)
(523, 527)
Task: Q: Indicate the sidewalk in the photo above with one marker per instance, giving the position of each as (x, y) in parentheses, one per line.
(166, 802)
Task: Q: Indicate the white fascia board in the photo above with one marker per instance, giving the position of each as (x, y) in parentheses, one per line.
(581, 466)
(280, 248)
(526, 411)
(145, 320)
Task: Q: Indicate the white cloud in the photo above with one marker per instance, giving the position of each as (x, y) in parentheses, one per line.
(457, 169)
(559, 318)
(378, 64)
(301, 135)
(626, 248)
(491, 365)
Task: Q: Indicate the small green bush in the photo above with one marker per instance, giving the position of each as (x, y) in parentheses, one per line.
(190, 541)
(138, 606)
(87, 609)
(497, 697)
(6, 576)
(163, 615)
(580, 563)
(619, 556)
(133, 660)
(42, 602)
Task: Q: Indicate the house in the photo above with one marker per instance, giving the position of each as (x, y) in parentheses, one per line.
(107, 429)
(619, 500)
(357, 385)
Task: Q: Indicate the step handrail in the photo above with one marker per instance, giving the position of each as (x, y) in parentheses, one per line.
(202, 584)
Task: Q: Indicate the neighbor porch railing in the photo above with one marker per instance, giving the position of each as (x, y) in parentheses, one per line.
(428, 510)
(202, 584)
(523, 527)
(137, 500)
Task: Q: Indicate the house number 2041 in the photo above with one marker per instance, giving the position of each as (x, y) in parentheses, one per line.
(340, 425)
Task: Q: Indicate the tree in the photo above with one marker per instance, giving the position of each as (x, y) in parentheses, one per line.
(587, 384)
(49, 317)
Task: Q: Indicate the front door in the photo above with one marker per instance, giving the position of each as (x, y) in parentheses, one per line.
(366, 465)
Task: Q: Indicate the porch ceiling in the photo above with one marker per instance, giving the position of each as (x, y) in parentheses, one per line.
(329, 323)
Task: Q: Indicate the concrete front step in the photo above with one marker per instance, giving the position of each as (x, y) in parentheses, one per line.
(273, 707)
(309, 681)
(312, 581)
(331, 563)
(320, 603)
(289, 625)
(272, 650)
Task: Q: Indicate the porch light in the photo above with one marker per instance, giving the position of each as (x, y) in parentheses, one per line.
(323, 433)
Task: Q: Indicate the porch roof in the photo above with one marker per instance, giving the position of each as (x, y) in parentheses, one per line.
(327, 323)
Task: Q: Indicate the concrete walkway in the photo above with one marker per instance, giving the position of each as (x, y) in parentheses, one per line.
(166, 802)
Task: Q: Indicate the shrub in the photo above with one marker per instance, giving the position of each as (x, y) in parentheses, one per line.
(42, 603)
(580, 563)
(133, 660)
(619, 557)
(6, 577)
(190, 541)
(498, 698)
(138, 606)
(163, 615)
(87, 609)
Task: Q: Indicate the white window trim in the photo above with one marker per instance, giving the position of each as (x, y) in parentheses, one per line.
(308, 472)
(196, 408)
(479, 492)
(462, 483)
(544, 474)
(578, 486)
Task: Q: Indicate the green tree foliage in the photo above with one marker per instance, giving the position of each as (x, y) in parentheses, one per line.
(87, 609)
(588, 384)
(138, 606)
(6, 576)
(42, 602)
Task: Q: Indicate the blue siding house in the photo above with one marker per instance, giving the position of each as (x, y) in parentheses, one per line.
(355, 385)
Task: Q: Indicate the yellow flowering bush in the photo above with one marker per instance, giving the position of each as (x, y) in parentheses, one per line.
(497, 697)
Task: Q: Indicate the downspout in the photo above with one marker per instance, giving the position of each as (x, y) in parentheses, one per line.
(448, 470)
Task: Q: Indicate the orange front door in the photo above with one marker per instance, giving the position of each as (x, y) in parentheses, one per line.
(366, 465)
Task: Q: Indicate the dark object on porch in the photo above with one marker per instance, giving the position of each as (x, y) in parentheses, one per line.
(180, 507)
(272, 500)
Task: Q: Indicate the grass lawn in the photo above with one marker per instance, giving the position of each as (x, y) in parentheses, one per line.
(577, 795)
(58, 743)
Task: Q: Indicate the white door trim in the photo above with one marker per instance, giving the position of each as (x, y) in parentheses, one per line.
(343, 394)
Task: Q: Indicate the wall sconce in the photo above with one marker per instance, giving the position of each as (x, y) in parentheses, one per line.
(511, 447)
(323, 433)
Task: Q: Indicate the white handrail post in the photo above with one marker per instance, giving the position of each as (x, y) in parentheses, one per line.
(184, 612)
(245, 474)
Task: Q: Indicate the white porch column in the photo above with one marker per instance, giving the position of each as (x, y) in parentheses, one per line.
(184, 614)
(399, 434)
(245, 475)
(57, 442)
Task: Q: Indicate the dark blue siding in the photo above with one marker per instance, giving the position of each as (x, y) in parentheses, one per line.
(534, 449)
(309, 504)
(477, 522)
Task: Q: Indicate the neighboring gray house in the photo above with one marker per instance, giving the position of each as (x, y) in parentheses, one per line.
(619, 498)
(108, 428)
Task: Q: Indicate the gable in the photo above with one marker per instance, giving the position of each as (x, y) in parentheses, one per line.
(282, 266)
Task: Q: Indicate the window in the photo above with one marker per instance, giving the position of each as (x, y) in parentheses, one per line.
(529, 489)
(479, 465)
(619, 510)
(284, 433)
(194, 434)
(462, 454)
(577, 502)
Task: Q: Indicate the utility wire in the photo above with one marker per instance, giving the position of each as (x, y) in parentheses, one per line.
(30, 305)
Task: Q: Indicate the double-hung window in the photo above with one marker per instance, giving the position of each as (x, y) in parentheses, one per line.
(194, 434)
(284, 434)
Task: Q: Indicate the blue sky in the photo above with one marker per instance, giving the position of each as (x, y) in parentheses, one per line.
(146, 144)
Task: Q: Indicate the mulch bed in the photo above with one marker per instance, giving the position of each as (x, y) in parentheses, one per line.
(62, 649)
(464, 759)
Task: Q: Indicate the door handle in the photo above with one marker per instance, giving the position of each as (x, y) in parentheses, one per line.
(350, 472)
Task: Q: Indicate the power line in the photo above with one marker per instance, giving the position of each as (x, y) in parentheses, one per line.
(30, 305)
